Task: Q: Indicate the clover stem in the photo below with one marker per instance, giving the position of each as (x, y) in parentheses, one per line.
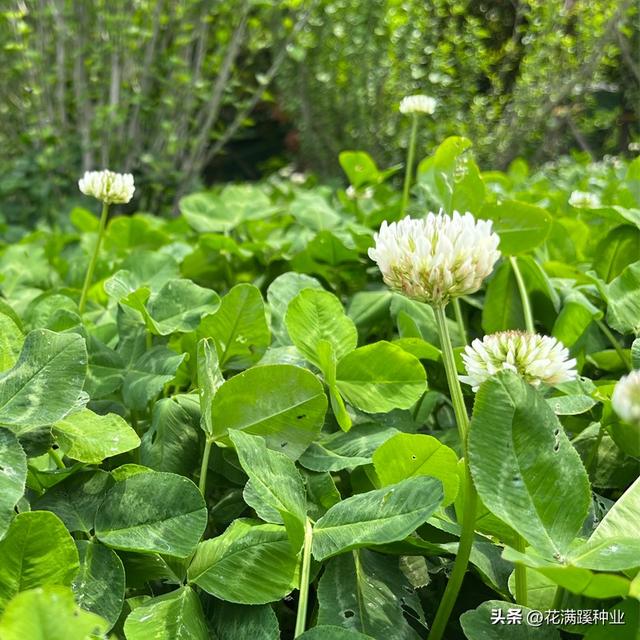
(521, 575)
(204, 467)
(614, 342)
(94, 258)
(55, 456)
(558, 597)
(455, 389)
(301, 616)
(408, 171)
(459, 320)
(524, 296)
(470, 496)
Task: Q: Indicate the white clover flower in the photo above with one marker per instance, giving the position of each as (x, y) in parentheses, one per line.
(418, 104)
(298, 178)
(538, 359)
(626, 398)
(436, 258)
(583, 200)
(108, 186)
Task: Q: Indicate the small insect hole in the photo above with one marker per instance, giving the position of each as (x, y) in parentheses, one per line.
(413, 458)
(556, 447)
(556, 432)
(283, 444)
(301, 416)
(348, 613)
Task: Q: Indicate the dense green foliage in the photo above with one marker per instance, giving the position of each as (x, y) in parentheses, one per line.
(243, 409)
(187, 90)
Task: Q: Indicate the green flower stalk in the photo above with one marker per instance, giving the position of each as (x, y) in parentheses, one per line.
(414, 106)
(109, 188)
(435, 260)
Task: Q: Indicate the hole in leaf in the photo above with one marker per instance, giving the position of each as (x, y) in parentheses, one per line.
(556, 432)
(556, 447)
(348, 613)
(413, 457)
(283, 444)
(301, 416)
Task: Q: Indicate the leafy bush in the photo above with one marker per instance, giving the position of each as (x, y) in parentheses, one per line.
(246, 433)
(525, 78)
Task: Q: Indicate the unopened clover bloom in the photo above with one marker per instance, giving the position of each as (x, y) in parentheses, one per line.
(537, 359)
(626, 398)
(418, 104)
(108, 186)
(436, 258)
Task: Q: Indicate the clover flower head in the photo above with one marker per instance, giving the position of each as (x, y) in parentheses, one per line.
(435, 258)
(537, 359)
(626, 398)
(418, 104)
(583, 200)
(108, 186)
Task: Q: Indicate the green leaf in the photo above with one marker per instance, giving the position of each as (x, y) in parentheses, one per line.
(623, 298)
(376, 517)
(46, 381)
(227, 566)
(172, 443)
(617, 250)
(450, 177)
(575, 579)
(11, 340)
(477, 624)
(205, 213)
(314, 316)
(90, 438)
(313, 212)
(13, 476)
(99, 585)
(519, 455)
(359, 168)
(380, 377)
(574, 319)
(279, 294)
(635, 353)
(210, 379)
(408, 455)
(177, 307)
(146, 377)
(241, 621)
(76, 499)
(152, 512)
(36, 551)
(366, 592)
(275, 489)
(173, 616)
(282, 403)
(521, 226)
(502, 304)
(340, 450)
(49, 614)
(622, 519)
(239, 328)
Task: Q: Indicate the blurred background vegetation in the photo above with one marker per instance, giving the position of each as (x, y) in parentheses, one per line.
(190, 92)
